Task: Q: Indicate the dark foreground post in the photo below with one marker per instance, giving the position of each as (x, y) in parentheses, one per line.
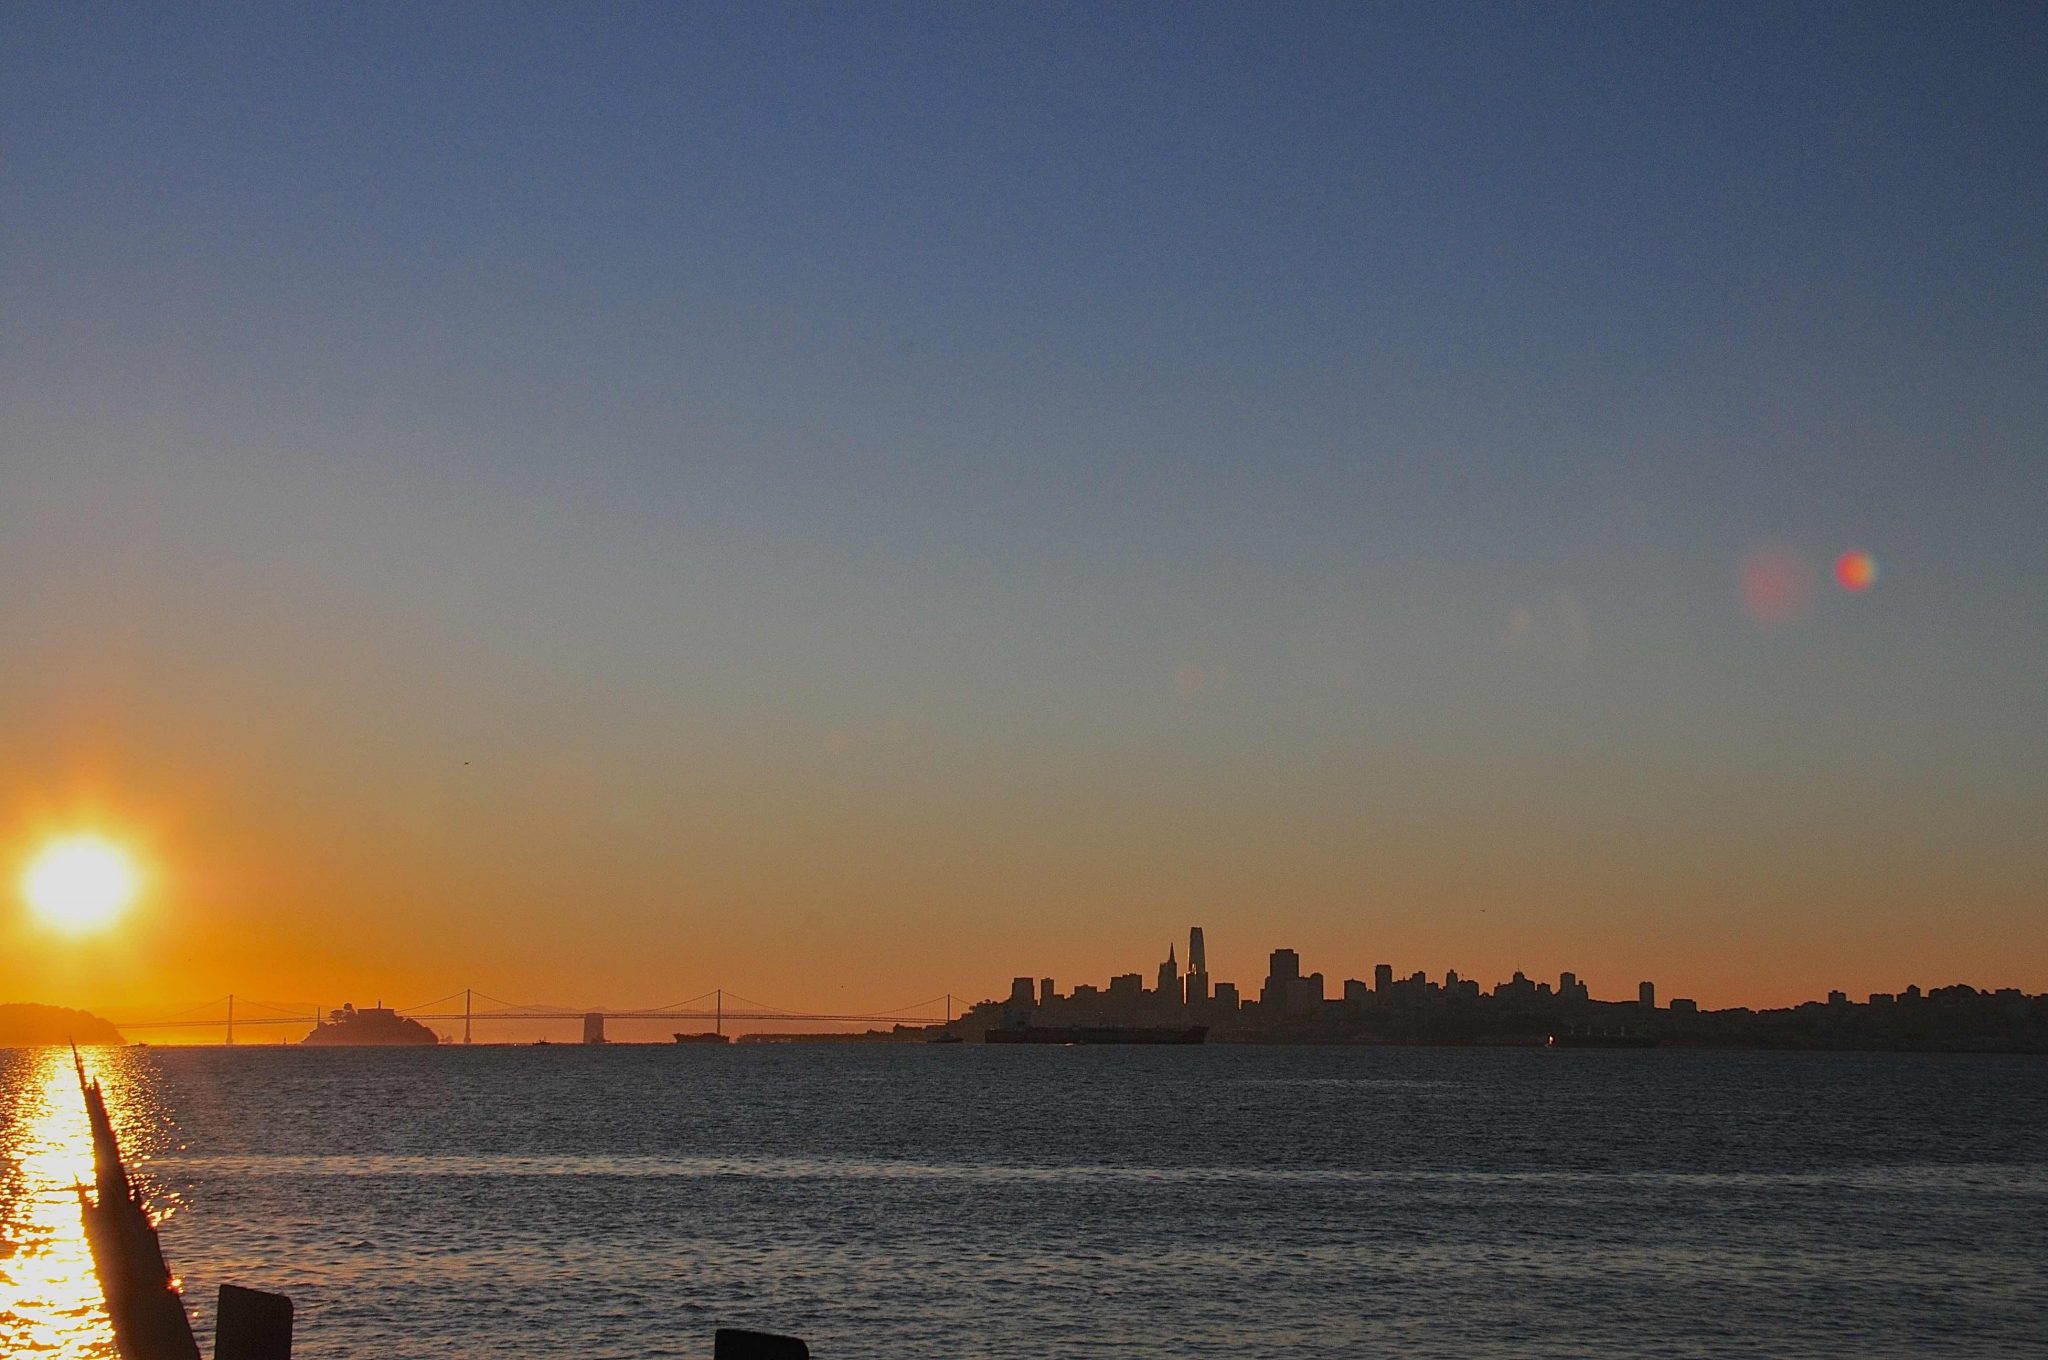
(252, 1325)
(732, 1343)
(147, 1313)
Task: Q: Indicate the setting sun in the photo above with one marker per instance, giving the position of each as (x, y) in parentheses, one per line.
(80, 884)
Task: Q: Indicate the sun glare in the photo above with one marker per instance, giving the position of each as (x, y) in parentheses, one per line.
(80, 884)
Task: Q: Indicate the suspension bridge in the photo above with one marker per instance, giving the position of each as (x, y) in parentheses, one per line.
(230, 1013)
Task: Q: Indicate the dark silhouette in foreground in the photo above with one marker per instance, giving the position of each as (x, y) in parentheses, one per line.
(733, 1343)
(147, 1312)
(252, 1325)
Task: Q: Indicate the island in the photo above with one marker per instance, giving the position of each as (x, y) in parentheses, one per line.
(370, 1027)
(28, 1025)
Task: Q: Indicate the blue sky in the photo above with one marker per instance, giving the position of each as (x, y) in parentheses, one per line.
(1314, 440)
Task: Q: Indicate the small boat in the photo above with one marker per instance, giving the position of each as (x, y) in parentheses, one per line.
(947, 1038)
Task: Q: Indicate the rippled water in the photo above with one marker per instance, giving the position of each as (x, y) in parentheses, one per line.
(968, 1201)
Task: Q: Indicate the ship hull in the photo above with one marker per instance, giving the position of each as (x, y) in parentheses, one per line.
(1099, 1034)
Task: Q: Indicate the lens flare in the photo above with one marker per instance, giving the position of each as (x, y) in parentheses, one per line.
(1856, 571)
(1777, 586)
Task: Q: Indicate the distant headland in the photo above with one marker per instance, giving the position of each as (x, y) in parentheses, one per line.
(28, 1025)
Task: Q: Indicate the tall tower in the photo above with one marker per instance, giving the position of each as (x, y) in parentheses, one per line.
(1169, 979)
(1198, 968)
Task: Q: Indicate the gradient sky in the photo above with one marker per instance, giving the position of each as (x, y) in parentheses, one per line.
(851, 503)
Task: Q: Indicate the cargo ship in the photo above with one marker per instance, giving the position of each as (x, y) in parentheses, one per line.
(1100, 1034)
(704, 1038)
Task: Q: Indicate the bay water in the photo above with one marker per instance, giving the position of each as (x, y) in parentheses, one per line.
(914, 1201)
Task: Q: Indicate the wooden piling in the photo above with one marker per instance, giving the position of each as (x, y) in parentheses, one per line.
(252, 1325)
(734, 1343)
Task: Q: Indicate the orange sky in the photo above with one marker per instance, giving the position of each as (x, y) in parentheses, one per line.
(301, 870)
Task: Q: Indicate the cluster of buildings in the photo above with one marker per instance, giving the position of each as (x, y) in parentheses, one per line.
(1287, 996)
(1293, 1006)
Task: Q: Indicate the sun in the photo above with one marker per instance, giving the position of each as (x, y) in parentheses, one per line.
(80, 884)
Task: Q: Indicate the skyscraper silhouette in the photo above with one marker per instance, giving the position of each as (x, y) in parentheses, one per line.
(1169, 979)
(1283, 970)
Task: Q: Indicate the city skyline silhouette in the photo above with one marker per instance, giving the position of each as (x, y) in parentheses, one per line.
(1382, 1004)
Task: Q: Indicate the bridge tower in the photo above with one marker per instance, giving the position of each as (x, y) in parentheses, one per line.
(593, 1027)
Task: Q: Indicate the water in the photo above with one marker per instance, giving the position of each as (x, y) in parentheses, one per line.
(969, 1201)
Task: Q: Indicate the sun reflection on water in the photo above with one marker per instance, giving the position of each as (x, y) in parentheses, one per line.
(49, 1297)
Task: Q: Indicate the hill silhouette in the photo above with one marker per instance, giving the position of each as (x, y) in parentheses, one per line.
(27, 1025)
